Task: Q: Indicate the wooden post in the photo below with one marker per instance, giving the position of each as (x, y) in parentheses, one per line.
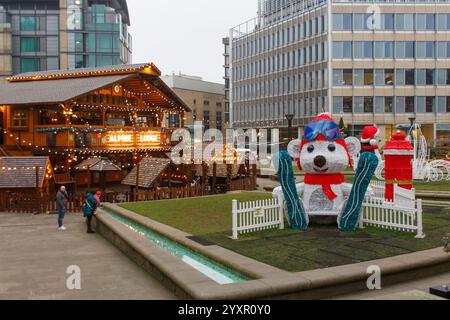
(37, 179)
(229, 173)
(205, 176)
(138, 166)
(214, 179)
(235, 219)
(254, 171)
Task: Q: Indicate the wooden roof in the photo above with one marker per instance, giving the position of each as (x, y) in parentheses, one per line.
(20, 172)
(221, 171)
(66, 86)
(97, 164)
(149, 171)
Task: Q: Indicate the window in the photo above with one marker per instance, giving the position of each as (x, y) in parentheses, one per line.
(443, 49)
(219, 121)
(104, 43)
(358, 104)
(347, 104)
(206, 120)
(342, 21)
(29, 65)
(342, 49)
(409, 105)
(410, 77)
(429, 104)
(98, 13)
(388, 104)
(358, 77)
(404, 21)
(19, 119)
(29, 44)
(361, 21)
(443, 21)
(404, 49)
(206, 102)
(368, 77)
(430, 77)
(387, 21)
(368, 104)
(363, 49)
(29, 23)
(343, 77)
(384, 49)
(389, 77)
(425, 21)
(347, 76)
(448, 104)
(425, 50)
(79, 61)
(219, 104)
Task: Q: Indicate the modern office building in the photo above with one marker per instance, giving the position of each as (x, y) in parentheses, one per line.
(205, 99)
(39, 35)
(371, 62)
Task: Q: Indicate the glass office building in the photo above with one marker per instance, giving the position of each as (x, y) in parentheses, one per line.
(368, 61)
(63, 34)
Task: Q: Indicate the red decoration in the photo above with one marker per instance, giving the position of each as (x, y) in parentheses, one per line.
(325, 181)
(398, 155)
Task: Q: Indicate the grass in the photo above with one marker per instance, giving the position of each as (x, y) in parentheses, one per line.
(197, 216)
(421, 185)
(320, 247)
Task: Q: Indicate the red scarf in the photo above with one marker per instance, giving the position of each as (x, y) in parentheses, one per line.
(325, 180)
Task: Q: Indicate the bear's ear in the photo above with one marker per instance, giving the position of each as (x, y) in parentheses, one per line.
(353, 146)
(294, 148)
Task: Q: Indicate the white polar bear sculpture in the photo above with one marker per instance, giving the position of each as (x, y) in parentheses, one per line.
(324, 158)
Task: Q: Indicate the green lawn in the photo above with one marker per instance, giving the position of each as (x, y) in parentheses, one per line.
(322, 246)
(197, 216)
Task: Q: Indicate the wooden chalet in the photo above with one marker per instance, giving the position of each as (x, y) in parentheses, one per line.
(71, 115)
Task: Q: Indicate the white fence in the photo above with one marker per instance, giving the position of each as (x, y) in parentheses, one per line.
(401, 215)
(398, 215)
(256, 216)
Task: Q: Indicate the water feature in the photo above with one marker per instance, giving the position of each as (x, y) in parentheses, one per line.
(212, 269)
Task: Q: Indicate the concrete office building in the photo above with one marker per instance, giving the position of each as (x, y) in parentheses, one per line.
(371, 62)
(39, 35)
(205, 99)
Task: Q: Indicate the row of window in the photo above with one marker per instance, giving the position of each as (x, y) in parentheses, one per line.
(280, 38)
(308, 107)
(282, 61)
(391, 21)
(391, 77)
(391, 49)
(380, 105)
(284, 85)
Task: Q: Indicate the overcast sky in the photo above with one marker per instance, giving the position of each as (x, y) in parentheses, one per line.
(185, 35)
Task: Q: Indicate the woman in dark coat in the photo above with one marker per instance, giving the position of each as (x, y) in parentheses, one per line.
(89, 208)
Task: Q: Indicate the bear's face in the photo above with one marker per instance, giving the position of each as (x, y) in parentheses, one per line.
(324, 157)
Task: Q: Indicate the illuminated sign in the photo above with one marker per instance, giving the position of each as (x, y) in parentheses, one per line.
(129, 139)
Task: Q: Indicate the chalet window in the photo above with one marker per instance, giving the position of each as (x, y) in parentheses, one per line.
(20, 119)
(51, 117)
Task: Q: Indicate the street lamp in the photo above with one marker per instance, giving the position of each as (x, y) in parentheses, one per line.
(290, 118)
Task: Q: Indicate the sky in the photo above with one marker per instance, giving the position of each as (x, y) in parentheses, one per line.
(185, 35)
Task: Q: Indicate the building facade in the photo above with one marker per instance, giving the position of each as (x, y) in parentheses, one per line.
(205, 99)
(380, 63)
(44, 35)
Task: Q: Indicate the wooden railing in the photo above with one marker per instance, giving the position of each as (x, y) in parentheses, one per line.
(38, 204)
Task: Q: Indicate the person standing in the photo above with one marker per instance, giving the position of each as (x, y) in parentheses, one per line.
(90, 206)
(62, 198)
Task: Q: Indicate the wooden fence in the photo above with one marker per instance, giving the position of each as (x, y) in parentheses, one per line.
(37, 204)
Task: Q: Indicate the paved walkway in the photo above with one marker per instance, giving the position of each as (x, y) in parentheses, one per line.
(34, 257)
(412, 290)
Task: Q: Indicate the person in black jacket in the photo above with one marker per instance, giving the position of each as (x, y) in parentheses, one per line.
(62, 198)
